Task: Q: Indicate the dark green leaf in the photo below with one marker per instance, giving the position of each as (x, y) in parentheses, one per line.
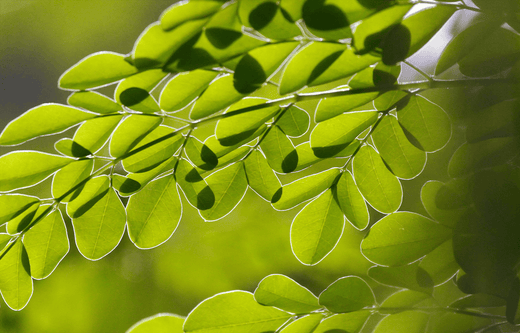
(130, 132)
(184, 88)
(347, 294)
(70, 176)
(408, 276)
(15, 277)
(94, 101)
(182, 12)
(440, 264)
(447, 217)
(279, 151)
(260, 176)
(351, 201)
(478, 301)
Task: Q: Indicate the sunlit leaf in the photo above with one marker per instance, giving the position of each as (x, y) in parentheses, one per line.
(279, 151)
(15, 277)
(440, 264)
(70, 148)
(12, 205)
(334, 106)
(351, 322)
(93, 134)
(260, 176)
(294, 122)
(200, 155)
(182, 12)
(161, 323)
(351, 201)
(22, 220)
(305, 324)
(404, 299)
(195, 188)
(347, 294)
(376, 76)
(388, 100)
(93, 101)
(70, 176)
(407, 321)
(130, 132)
(478, 301)
(134, 92)
(410, 277)
(94, 190)
(184, 88)
(266, 17)
(458, 323)
(316, 229)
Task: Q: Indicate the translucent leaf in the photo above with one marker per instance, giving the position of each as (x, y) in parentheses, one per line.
(413, 33)
(372, 30)
(444, 216)
(408, 276)
(130, 132)
(303, 189)
(94, 190)
(234, 312)
(70, 148)
(331, 107)
(234, 156)
(99, 230)
(425, 124)
(376, 76)
(440, 264)
(403, 299)
(150, 157)
(258, 65)
(12, 205)
(42, 120)
(292, 8)
(351, 201)
(478, 301)
(200, 155)
(403, 237)
(319, 63)
(134, 92)
(306, 324)
(93, 134)
(15, 277)
(389, 99)
(286, 294)
(351, 322)
(294, 122)
(458, 323)
(26, 168)
(464, 43)
(4, 240)
(236, 128)
(332, 136)
(70, 176)
(22, 220)
(46, 244)
(317, 229)
(160, 323)
(182, 12)
(307, 158)
(184, 88)
(279, 151)
(347, 294)
(155, 46)
(407, 321)
(215, 146)
(154, 213)
(229, 186)
(96, 70)
(93, 101)
(378, 185)
(266, 17)
(402, 158)
(195, 188)
(220, 94)
(260, 176)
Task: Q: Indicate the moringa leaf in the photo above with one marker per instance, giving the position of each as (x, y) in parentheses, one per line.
(440, 264)
(160, 323)
(94, 190)
(96, 70)
(21, 221)
(42, 120)
(404, 299)
(268, 18)
(93, 134)
(305, 324)
(154, 213)
(279, 151)
(195, 188)
(407, 321)
(12, 205)
(331, 107)
(200, 155)
(15, 277)
(260, 176)
(134, 92)
(388, 100)
(403, 237)
(184, 88)
(410, 277)
(294, 122)
(70, 176)
(182, 12)
(130, 132)
(93, 101)
(26, 168)
(317, 229)
(347, 294)
(70, 148)
(351, 201)
(351, 322)
(447, 217)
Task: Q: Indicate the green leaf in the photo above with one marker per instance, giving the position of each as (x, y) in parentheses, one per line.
(376, 76)
(181, 12)
(425, 123)
(351, 201)
(286, 294)
(444, 216)
(407, 321)
(149, 158)
(303, 189)
(320, 63)
(96, 70)
(478, 301)
(332, 136)
(258, 65)
(266, 17)
(413, 33)
(12, 205)
(70, 148)
(389, 99)
(94, 190)
(464, 43)
(294, 122)
(100, 229)
(351, 322)
(154, 213)
(130, 132)
(47, 244)
(229, 186)
(234, 312)
(331, 107)
(21, 221)
(15, 277)
(26, 168)
(372, 30)
(93, 101)
(403, 237)
(403, 299)
(279, 151)
(93, 134)
(184, 88)
(220, 94)
(378, 185)
(200, 155)
(317, 229)
(260, 176)
(42, 120)
(307, 158)
(134, 92)
(70, 176)
(195, 188)
(236, 128)
(440, 264)
(305, 324)
(458, 323)
(215, 146)
(347, 294)
(4, 240)
(160, 323)
(155, 46)
(410, 277)
(402, 158)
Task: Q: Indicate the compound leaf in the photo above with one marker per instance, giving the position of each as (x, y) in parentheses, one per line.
(130, 132)
(200, 155)
(134, 92)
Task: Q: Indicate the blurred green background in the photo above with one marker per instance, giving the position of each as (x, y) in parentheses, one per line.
(40, 39)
